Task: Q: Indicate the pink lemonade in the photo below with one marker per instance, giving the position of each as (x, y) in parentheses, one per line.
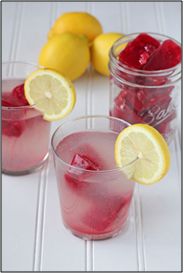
(94, 195)
(25, 135)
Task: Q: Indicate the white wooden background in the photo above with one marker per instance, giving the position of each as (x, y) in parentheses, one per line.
(33, 235)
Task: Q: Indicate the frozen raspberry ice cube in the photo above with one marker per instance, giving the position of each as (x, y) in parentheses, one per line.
(84, 162)
(7, 100)
(120, 99)
(133, 100)
(104, 212)
(75, 177)
(12, 128)
(122, 108)
(137, 52)
(166, 56)
(164, 125)
(18, 96)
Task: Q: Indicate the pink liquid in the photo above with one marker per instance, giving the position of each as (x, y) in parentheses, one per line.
(25, 135)
(94, 204)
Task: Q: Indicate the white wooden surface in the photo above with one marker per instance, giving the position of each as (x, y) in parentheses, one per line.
(33, 235)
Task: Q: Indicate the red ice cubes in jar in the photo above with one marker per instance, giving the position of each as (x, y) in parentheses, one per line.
(146, 98)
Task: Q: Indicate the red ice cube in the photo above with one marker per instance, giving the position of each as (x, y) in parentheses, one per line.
(120, 99)
(137, 52)
(84, 162)
(7, 99)
(18, 96)
(156, 109)
(104, 212)
(12, 128)
(15, 98)
(122, 108)
(75, 177)
(166, 56)
(134, 100)
(164, 126)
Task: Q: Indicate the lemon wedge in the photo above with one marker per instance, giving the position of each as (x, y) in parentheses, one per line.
(50, 93)
(142, 153)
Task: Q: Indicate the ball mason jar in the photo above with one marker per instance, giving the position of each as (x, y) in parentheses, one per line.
(140, 96)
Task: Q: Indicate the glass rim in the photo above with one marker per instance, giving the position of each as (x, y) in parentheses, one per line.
(138, 72)
(117, 169)
(14, 108)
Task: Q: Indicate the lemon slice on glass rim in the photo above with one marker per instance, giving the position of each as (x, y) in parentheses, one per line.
(142, 153)
(50, 93)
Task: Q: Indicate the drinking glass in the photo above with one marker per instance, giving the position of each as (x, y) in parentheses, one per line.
(25, 134)
(95, 194)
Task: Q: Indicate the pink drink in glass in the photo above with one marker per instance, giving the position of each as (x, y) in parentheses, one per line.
(94, 195)
(25, 135)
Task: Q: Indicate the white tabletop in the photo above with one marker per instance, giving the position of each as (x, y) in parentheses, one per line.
(33, 235)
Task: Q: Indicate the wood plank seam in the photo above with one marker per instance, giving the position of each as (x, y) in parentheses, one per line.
(124, 17)
(159, 15)
(89, 246)
(16, 36)
(40, 218)
(13, 37)
(44, 203)
(42, 194)
(140, 246)
(37, 223)
(16, 33)
(54, 12)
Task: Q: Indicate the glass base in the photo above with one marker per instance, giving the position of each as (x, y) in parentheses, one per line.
(97, 237)
(27, 171)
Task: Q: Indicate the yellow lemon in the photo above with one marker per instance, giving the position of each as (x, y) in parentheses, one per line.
(67, 54)
(50, 93)
(100, 51)
(142, 153)
(78, 23)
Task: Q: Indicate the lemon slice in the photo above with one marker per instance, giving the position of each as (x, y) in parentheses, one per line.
(142, 153)
(51, 93)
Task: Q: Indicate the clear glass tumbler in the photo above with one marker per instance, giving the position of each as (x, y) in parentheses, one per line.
(140, 96)
(94, 194)
(25, 134)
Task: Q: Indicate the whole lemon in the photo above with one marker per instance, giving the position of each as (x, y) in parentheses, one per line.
(100, 51)
(66, 53)
(78, 23)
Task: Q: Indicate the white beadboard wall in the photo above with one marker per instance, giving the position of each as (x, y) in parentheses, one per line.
(34, 238)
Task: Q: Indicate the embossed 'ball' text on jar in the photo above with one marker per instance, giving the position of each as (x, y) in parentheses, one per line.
(139, 96)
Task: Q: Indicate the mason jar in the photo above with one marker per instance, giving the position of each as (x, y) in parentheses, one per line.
(140, 96)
